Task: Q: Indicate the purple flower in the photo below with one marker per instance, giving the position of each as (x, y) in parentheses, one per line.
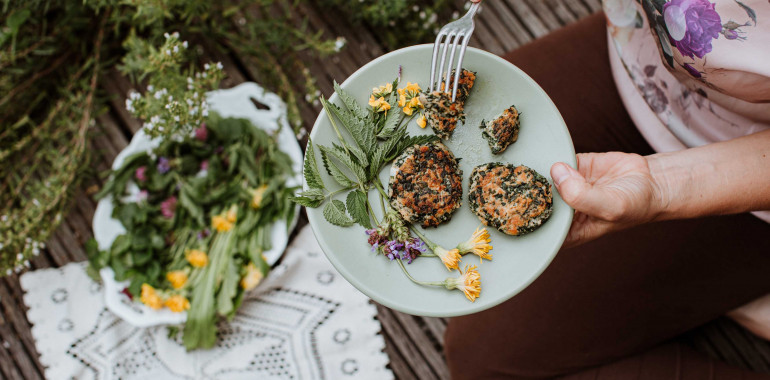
(412, 249)
(204, 165)
(692, 24)
(141, 173)
(163, 165)
(375, 239)
(202, 133)
(168, 207)
(203, 233)
(731, 34)
(392, 249)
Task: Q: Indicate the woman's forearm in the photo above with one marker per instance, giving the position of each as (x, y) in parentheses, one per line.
(721, 178)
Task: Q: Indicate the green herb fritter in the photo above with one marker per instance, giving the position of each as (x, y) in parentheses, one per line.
(514, 199)
(502, 131)
(426, 184)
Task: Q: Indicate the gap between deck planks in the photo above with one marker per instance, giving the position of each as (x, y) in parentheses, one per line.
(414, 344)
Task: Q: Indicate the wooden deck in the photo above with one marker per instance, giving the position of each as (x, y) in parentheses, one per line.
(414, 344)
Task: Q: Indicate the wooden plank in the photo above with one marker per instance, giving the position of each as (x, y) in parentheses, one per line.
(403, 344)
(509, 31)
(424, 345)
(397, 364)
(577, 7)
(524, 13)
(8, 369)
(437, 327)
(594, 5)
(16, 332)
(548, 12)
(559, 10)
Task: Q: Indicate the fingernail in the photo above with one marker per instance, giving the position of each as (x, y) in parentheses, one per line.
(560, 172)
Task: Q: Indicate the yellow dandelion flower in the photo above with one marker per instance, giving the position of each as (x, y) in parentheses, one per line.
(469, 283)
(150, 297)
(257, 195)
(450, 258)
(252, 278)
(422, 121)
(232, 214)
(177, 303)
(197, 258)
(177, 278)
(478, 245)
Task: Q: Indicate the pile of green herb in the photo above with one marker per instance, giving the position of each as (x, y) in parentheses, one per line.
(198, 221)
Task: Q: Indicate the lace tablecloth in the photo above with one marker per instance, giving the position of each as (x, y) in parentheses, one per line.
(303, 322)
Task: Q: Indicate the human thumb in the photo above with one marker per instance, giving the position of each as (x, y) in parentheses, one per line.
(575, 190)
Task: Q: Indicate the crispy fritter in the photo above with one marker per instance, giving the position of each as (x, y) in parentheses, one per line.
(514, 199)
(442, 115)
(502, 131)
(464, 84)
(426, 184)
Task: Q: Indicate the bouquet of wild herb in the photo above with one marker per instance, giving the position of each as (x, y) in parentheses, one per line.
(379, 136)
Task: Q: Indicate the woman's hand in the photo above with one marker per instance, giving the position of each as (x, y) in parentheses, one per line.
(609, 191)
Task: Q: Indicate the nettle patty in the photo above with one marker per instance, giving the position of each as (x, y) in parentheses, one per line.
(514, 199)
(464, 84)
(426, 184)
(441, 114)
(502, 131)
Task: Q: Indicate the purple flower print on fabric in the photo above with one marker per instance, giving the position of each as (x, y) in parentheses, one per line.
(692, 24)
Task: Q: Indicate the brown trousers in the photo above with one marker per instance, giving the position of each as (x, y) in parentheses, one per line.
(606, 309)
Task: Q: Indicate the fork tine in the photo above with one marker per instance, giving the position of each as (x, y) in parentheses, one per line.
(458, 71)
(444, 52)
(436, 46)
(451, 60)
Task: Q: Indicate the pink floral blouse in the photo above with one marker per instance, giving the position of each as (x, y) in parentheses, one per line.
(692, 72)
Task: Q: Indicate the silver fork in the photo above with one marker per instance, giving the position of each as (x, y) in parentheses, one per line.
(454, 32)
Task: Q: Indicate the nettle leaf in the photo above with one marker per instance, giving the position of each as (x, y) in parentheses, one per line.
(311, 173)
(357, 152)
(335, 171)
(309, 198)
(392, 121)
(350, 102)
(334, 212)
(378, 159)
(360, 129)
(345, 158)
(357, 201)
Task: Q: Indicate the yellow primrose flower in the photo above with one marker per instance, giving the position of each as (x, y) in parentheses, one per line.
(383, 90)
(177, 278)
(412, 88)
(373, 101)
(468, 283)
(197, 258)
(401, 100)
(412, 106)
(478, 245)
(177, 303)
(256, 196)
(379, 105)
(422, 121)
(150, 297)
(450, 258)
(220, 223)
(252, 278)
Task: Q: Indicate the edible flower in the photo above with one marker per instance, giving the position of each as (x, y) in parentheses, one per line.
(478, 245)
(450, 258)
(164, 165)
(468, 283)
(177, 278)
(141, 173)
(379, 104)
(409, 98)
(257, 195)
(422, 121)
(224, 222)
(150, 297)
(202, 133)
(177, 303)
(197, 258)
(168, 207)
(383, 90)
(413, 248)
(252, 278)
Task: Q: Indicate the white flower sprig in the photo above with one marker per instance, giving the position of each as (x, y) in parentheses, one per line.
(172, 104)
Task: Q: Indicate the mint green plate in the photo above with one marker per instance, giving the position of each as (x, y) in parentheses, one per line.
(517, 261)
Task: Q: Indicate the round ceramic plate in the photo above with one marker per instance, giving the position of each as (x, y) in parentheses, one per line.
(517, 261)
(233, 102)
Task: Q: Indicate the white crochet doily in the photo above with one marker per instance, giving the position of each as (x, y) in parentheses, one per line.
(303, 322)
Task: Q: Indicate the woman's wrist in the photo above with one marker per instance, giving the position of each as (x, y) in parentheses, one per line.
(672, 183)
